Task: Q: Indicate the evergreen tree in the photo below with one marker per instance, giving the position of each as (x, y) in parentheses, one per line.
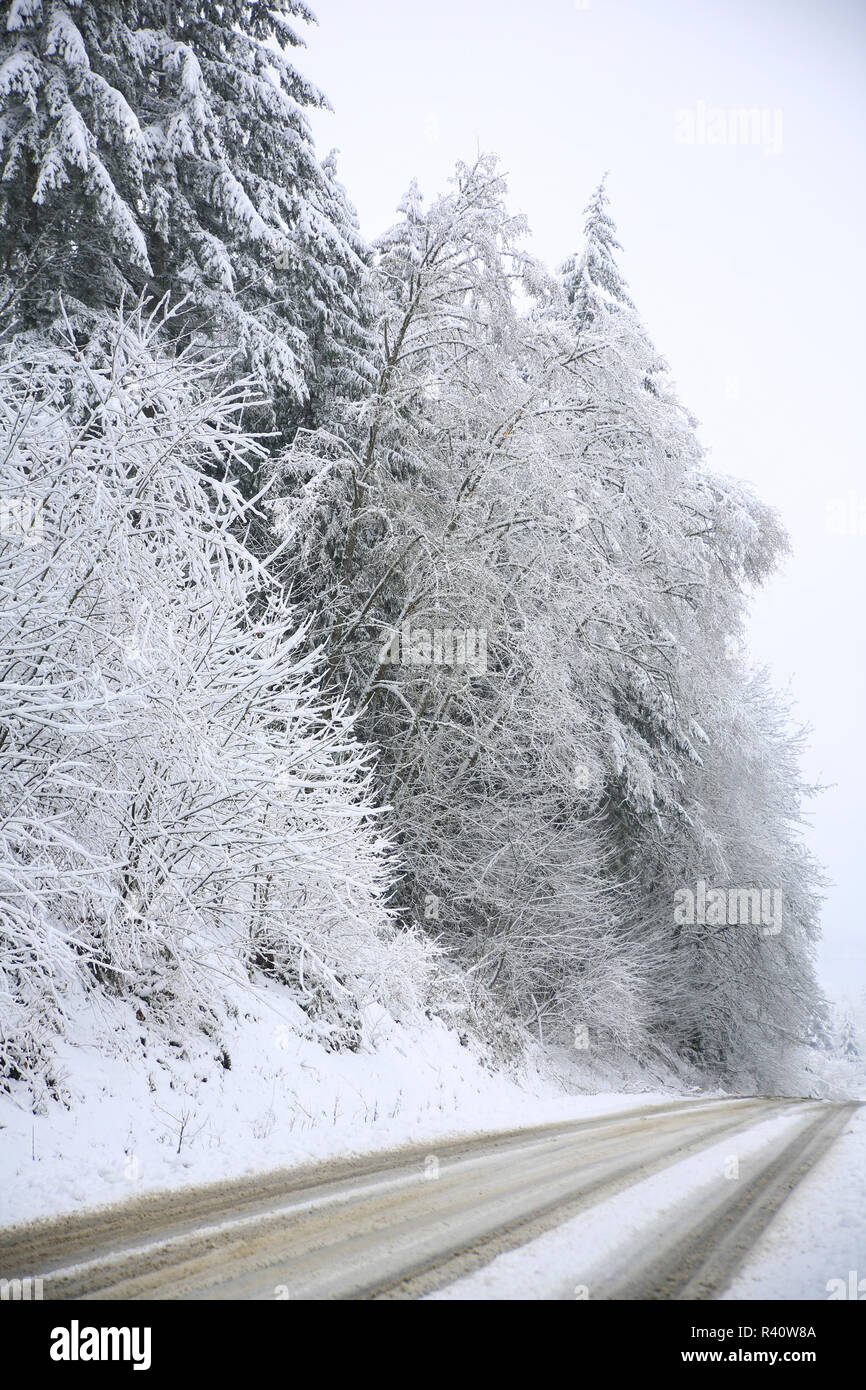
(162, 147)
(848, 1044)
(591, 278)
(700, 769)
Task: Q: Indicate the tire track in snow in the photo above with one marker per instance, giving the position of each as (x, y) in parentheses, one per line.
(710, 1245)
(369, 1228)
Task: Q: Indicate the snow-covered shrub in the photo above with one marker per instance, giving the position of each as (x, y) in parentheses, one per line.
(176, 800)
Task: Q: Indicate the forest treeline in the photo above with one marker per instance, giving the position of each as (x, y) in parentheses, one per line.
(371, 619)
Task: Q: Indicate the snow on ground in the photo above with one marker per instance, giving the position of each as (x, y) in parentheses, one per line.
(820, 1234)
(578, 1256)
(144, 1115)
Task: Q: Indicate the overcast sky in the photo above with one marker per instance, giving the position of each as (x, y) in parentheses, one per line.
(743, 247)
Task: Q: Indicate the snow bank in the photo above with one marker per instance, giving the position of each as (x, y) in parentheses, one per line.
(144, 1114)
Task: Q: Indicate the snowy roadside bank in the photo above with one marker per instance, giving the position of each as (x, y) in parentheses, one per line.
(144, 1115)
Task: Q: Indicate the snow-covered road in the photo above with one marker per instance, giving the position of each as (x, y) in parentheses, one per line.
(665, 1201)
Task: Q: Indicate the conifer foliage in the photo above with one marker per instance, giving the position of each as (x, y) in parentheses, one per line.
(162, 147)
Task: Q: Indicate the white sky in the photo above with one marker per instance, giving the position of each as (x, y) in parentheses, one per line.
(745, 260)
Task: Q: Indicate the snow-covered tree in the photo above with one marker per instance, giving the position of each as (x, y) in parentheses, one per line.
(698, 772)
(498, 528)
(591, 278)
(177, 801)
(532, 477)
(163, 148)
(848, 1044)
(448, 524)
